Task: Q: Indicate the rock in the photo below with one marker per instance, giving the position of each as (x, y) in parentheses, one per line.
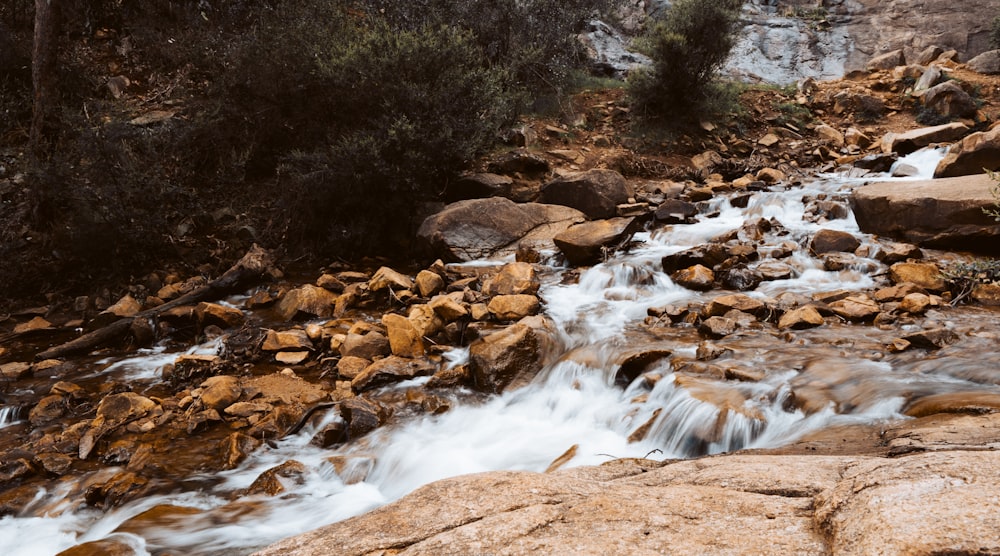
(586, 243)
(114, 411)
(697, 277)
(483, 228)
(986, 294)
(519, 162)
(988, 63)
(425, 320)
(269, 483)
(708, 255)
(925, 275)
(802, 317)
(929, 54)
(387, 278)
(219, 392)
(350, 366)
(949, 100)
(106, 547)
(893, 252)
(973, 403)
(513, 307)
(936, 503)
(928, 79)
(213, 314)
(773, 270)
(856, 308)
(389, 370)
(47, 410)
(906, 143)
(634, 364)
(429, 283)
(596, 193)
(362, 416)
(287, 340)
(477, 186)
(308, 301)
(127, 306)
(877, 162)
(15, 371)
(705, 162)
(770, 175)
(897, 292)
(855, 137)
(935, 338)
(675, 211)
(971, 155)
(902, 170)
(404, 339)
(331, 283)
(740, 277)
(718, 327)
(943, 213)
(830, 135)
(235, 448)
(514, 279)
(738, 302)
(448, 309)
(886, 61)
(33, 325)
(827, 241)
(915, 303)
(510, 356)
(368, 346)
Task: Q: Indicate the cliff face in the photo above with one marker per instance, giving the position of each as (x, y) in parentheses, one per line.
(785, 40)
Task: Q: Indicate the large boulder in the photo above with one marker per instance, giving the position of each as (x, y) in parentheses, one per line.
(906, 143)
(482, 228)
(886, 61)
(585, 243)
(949, 100)
(988, 62)
(596, 193)
(971, 155)
(514, 354)
(945, 213)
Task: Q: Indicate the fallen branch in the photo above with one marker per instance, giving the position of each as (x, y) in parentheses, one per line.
(249, 269)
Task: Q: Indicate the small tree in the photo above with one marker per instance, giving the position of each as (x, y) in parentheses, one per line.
(688, 48)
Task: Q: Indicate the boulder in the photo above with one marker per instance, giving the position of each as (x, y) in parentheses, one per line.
(386, 278)
(971, 155)
(834, 241)
(286, 340)
(586, 243)
(482, 228)
(739, 302)
(718, 327)
(309, 301)
(513, 307)
(856, 308)
(447, 308)
(596, 193)
(389, 370)
(924, 275)
(709, 255)
(906, 143)
(803, 317)
(949, 100)
(429, 283)
(928, 79)
(512, 354)
(213, 314)
(477, 186)
(514, 279)
(367, 346)
(886, 61)
(697, 277)
(404, 338)
(219, 392)
(988, 62)
(945, 213)
(675, 211)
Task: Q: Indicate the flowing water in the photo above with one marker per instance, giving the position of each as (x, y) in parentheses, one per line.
(575, 402)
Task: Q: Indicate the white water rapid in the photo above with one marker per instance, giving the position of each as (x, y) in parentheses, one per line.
(574, 403)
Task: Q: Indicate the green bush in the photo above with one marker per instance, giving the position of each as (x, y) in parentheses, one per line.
(995, 32)
(688, 48)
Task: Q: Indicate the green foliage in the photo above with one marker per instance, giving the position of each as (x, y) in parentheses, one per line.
(792, 113)
(995, 32)
(688, 47)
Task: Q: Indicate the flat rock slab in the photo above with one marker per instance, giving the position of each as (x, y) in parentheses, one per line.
(945, 213)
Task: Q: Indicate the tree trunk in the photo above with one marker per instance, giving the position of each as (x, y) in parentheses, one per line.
(43, 69)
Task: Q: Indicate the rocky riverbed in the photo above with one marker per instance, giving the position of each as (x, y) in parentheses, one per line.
(596, 319)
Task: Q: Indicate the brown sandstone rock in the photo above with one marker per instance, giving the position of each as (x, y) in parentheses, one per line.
(511, 355)
(213, 314)
(387, 278)
(429, 283)
(971, 155)
(390, 369)
(514, 279)
(827, 241)
(404, 338)
(925, 275)
(886, 61)
(906, 143)
(595, 193)
(949, 100)
(368, 346)
(802, 317)
(308, 300)
(740, 302)
(286, 340)
(218, 392)
(513, 307)
(586, 243)
(697, 278)
(855, 308)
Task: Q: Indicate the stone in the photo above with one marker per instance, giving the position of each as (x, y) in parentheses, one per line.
(307, 301)
(856, 308)
(387, 278)
(929, 54)
(739, 302)
(949, 100)
(739, 277)
(986, 294)
(928, 79)
(389, 370)
(514, 279)
(708, 255)
(877, 162)
(802, 317)
(484, 228)
(987, 63)
(519, 162)
(587, 243)
(33, 325)
(675, 211)
(935, 338)
(219, 392)
(291, 357)
(829, 241)
(350, 366)
(596, 193)
(429, 283)
(855, 137)
(886, 61)
(367, 346)
(425, 320)
(47, 410)
(906, 143)
(15, 370)
(513, 307)
(448, 309)
(510, 356)
(286, 340)
(903, 170)
(915, 303)
(114, 411)
(718, 327)
(363, 416)
(269, 482)
(213, 314)
(705, 162)
(235, 448)
(971, 155)
(897, 292)
(477, 186)
(331, 283)
(404, 339)
(770, 175)
(697, 277)
(925, 275)
(940, 213)
(830, 135)
(891, 252)
(127, 306)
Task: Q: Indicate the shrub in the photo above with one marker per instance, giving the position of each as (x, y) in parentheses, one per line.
(995, 32)
(688, 48)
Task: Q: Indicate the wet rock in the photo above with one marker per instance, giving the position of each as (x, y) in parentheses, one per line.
(772, 270)
(948, 100)
(287, 340)
(429, 283)
(117, 490)
(739, 302)
(856, 308)
(718, 327)
(740, 278)
(350, 366)
(675, 211)
(477, 186)
(514, 279)
(482, 228)
(827, 241)
(511, 355)
(270, 481)
(893, 252)
(213, 314)
(770, 175)
(838, 261)
(986, 294)
(943, 213)
(448, 309)
(635, 364)
(697, 277)
(971, 155)
(910, 141)
(47, 410)
(935, 338)
(595, 193)
(389, 370)
(114, 411)
(425, 320)
(127, 306)
(404, 339)
(362, 416)
(877, 162)
(802, 317)
(219, 392)
(915, 303)
(897, 292)
(975, 403)
(451, 378)
(307, 301)
(105, 547)
(588, 243)
(513, 307)
(708, 255)
(924, 275)
(55, 463)
(387, 278)
(368, 346)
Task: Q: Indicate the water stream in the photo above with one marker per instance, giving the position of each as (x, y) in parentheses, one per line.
(574, 402)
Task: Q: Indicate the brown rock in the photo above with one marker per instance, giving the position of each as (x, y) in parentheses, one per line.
(802, 317)
(770, 175)
(915, 303)
(213, 314)
(106, 547)
(33, 325)
(595, 193)
(739, 302)
(675, 211)
(897, 292)
(587, 243)
(513, 307)
(362, 416)
(986, 294)
(514, 279)
(827, 241)
(511, 355)
(235, 448)
(718, 327)
(708, 255)
(309, 301)
(429, 283)
(387, 278)
(477, 186)
(291, 357)
(892, 252)
(15, 371)
(47, 410)
(971, 155)
(856, 308)
(368, 346)
(924, 275)
(697, 277)
(935, 338)
(974, 403)
(404, 339)
(447, 308)
(218, 392)
(269, 482)
(425, 319)
(390, 369)
(886, 61)
(906, 143)
(948, 100)
(287, 340)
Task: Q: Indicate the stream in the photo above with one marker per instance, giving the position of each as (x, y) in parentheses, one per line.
(574, 406)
